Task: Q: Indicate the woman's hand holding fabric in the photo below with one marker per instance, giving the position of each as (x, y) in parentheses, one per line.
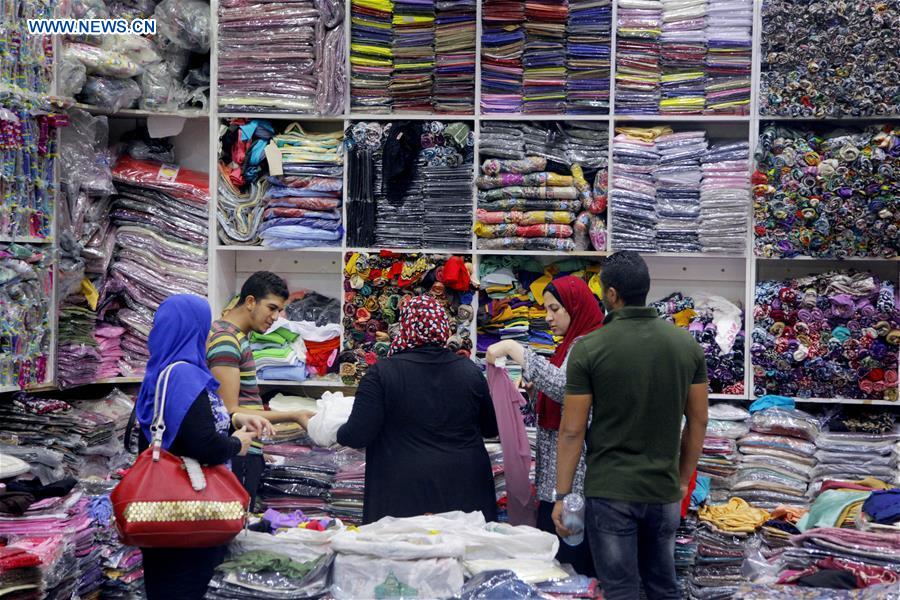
(245, 436)
(255, 423)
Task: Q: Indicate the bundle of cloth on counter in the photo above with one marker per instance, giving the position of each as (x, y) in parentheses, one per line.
(165, 72)
(718, 326)
(160, 213)
(829, 194)
(412, 56)
(26, 284)
(83, 438)
(376, 286)
(511, 299)
(828, 335)
(675, 193)
(282, 57)
(534, 191)
(409, 184)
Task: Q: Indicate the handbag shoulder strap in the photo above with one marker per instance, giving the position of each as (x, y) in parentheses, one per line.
(158, 425)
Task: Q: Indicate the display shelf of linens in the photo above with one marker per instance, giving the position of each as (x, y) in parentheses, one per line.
(408, 117)
(542, 117)
(729, 397)
(25, 240)
(139, 113)
(866, 119)
(441, 251)
(854, 401)
(812, 259)
(281, 117)
(324, 249)
(682, 118)
(320, 383)
(551, 253)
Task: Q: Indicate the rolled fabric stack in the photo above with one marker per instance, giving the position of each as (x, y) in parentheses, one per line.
(502, 46)
(729, 58)
(638, 30)
(826, 336)
(162, 231)
(682, 53)
(723, 198)
(857, 444)
(723, 538)
(588, 44)
(371, 55)
(544, 59)
(281, 57)
(375, 286)
(727, 423)
(678, 182)
(633, 188)
(778, 456)
(718, 326)
(413, 50)
(830, 194)
(454, 46)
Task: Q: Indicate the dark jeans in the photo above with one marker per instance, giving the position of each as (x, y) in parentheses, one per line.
(633, 543)
(180, 573)
(249, 471)
(578, 556)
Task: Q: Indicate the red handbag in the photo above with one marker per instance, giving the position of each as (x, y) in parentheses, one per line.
(165, 501)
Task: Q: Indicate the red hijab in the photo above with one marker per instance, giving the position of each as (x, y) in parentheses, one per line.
(584, 309)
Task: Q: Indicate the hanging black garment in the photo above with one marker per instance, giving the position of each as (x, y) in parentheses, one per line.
(401, 151)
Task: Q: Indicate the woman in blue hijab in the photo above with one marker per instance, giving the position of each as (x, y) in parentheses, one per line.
(197, 426)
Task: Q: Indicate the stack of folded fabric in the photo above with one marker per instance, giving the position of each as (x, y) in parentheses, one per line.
(161, 240)
(413, 50)
(638, 30)
(502, 47)
(544, 59)
(588, 42)
(345, 501)
(723, 538)
(778, 457)
(718, 326)
(281, 57)
(720, 459)
(856, 445)
(279, 354)
(682, 52)
(678, 183)
(78, 357)
(729, 25)
(116, 568)
(723, 198)
(303, 205)
(633, 188)
(454, 47)
(371, 56)
(503, 309)
(685, 553)
(39, 566)
(109, 345)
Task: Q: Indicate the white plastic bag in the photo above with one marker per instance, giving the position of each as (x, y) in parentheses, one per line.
(366, 577)
(332, 411)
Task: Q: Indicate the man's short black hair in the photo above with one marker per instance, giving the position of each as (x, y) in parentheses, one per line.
(627, 272)
(262, 284)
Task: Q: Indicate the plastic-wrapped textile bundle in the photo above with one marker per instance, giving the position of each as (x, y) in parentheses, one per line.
(682, 53)
(678, 182)
(726, 423)
(544, 57)
(723, 198)
(281, 57)
(633, 188)
(829, 193)
(413, 51)
(502, 47)
(718, 326)
(25, 296)
(638, 70)
(303, 205)
(371, 55)
(847, 313)
(588, 44)
(729, 32)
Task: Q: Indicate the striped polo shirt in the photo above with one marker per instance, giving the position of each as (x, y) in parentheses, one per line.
(227, 346)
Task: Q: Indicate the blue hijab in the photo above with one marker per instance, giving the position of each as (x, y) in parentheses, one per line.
(180, 328)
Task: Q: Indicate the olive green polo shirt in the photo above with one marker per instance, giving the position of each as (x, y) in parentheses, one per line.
(639, 369)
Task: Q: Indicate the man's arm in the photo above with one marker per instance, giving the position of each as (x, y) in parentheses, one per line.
(229, 379)
(572, 430)
(697, 414)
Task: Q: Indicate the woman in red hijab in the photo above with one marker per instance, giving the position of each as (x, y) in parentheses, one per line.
(572, 311)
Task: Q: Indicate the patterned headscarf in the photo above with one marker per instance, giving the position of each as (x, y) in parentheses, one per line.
(423, 321)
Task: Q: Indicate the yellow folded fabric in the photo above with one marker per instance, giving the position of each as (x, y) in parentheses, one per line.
(648, 134)
(736, 516)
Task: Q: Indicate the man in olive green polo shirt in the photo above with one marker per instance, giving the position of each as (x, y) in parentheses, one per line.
(640, 375)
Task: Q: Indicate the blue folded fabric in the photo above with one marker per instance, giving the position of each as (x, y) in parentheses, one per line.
(293, 373)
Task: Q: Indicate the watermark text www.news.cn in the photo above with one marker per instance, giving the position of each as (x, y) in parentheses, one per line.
(91, 27)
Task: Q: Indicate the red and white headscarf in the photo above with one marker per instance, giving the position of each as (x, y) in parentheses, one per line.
(423, 321)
